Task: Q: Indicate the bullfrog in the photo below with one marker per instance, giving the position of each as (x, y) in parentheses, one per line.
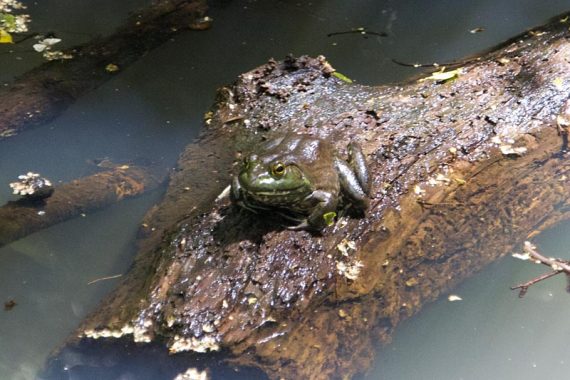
(302, 178)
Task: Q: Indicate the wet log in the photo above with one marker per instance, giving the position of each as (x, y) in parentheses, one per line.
(43, 93)
(69, 200)
(464, 170)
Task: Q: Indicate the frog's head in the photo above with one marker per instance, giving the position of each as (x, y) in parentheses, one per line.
(273, 181)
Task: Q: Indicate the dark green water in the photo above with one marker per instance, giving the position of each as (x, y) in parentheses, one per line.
(154, 108)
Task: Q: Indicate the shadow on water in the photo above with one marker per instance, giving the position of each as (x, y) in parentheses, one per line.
(125, 360)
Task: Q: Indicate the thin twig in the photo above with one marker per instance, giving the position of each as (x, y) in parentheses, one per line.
(557, 266)
(104, 278)
(361, 31)
(524, 286)
(436, 64)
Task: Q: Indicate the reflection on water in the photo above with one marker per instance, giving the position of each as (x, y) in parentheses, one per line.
(155, 107)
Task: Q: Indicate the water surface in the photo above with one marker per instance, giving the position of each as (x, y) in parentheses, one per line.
(155, 107)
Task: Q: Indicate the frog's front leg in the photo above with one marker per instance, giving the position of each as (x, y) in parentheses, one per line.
(235, 190)
(350, 184)
(237, 197)
(358, 163)
(327, 202)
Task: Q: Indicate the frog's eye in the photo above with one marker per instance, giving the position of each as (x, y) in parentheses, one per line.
(278, 169)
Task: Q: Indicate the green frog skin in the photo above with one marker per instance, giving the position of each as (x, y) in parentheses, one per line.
(303, 179)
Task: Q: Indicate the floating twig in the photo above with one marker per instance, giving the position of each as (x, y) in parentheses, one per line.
(361, 31)
(436, 64)
(531, 253)
(104, 278)
(9, 305)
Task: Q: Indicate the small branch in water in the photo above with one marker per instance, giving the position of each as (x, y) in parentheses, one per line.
(435, 64)
(9, 305)
(531, 253)
(104, 278)
(361, 31)
(524, 286)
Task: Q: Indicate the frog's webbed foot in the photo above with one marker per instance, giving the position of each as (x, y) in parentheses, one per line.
(350, 184)
(304, 225)
(316, 221)
(294, 218)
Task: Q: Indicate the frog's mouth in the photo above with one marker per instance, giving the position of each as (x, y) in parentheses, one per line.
(276, 197)
(285, 201)
(279, 197)
(279, 193)
(268, 186)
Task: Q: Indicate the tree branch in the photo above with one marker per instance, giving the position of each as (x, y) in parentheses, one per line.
(23, 217)
(557, 265)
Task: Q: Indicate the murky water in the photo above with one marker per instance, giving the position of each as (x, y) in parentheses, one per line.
(154, 108)
(491, 334)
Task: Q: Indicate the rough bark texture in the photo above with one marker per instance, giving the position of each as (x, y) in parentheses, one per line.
(450, 194)
(21, 218)
(43, 93)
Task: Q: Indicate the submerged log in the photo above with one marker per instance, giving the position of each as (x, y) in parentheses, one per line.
(464, 170)
(41, 94)
(28, 215)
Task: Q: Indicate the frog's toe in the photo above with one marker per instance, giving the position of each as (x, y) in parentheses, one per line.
(304, 225)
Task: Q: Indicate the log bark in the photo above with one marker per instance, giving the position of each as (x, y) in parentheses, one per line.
(464, 170)
(23, 217)
(43, 93)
